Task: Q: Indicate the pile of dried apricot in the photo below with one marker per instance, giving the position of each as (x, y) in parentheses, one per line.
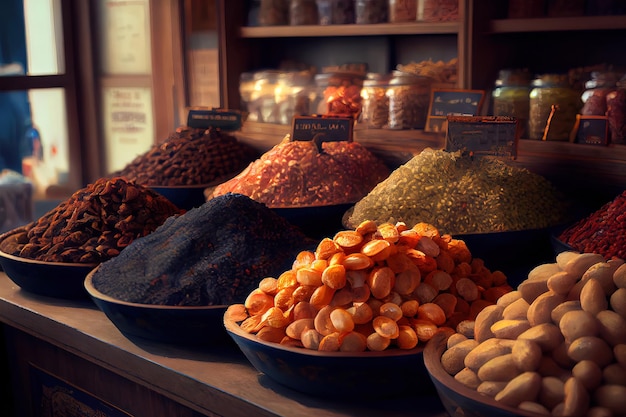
(371, 288)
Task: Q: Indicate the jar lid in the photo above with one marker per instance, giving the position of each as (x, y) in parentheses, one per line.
(551, 80)
(513, 77)
(603, 79)
(403, 78)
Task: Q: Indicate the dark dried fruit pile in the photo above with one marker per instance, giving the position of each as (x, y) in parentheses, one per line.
(214, 254)
(94, 224)
(190, 157)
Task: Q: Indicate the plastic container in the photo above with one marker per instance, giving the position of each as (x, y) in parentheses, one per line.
(402, 11)
(594, 97)
(273, 12)
(335, 12)
(616, 112)
(552, 92)
(375, 101)
(303, 12)
(370, 11)
(409, 99)
(511, 96)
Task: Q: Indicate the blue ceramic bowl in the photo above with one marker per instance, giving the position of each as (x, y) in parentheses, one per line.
(386, 374)
(51, 279)
(178, 325)
(457, 399)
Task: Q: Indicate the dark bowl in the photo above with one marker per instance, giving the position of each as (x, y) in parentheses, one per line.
(386, 374)
(458, 399)
(52, 279)
(184, 197)
(178, 325)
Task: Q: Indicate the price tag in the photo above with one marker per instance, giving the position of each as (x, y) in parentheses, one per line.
(591, 130)
(456, 102)
(322, 128)
(228, 120)
(483, 135)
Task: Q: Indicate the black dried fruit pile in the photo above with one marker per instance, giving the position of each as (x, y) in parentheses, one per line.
(214, 254)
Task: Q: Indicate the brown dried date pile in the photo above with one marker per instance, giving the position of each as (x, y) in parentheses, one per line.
(94, 224)
(298, 174)
(214, 254)
(190, 157)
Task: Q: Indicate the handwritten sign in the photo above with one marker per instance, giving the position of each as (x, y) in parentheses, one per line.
(456, 102)
(219, 118)
(591, 130)
(483, 135)
(322, 128)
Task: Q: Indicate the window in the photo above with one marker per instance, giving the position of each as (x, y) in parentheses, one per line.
(39, 104)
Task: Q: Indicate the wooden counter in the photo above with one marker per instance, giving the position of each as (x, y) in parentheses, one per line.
(74, 342)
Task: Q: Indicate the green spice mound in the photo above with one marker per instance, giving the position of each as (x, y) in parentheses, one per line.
(214, 254)
(461, 195)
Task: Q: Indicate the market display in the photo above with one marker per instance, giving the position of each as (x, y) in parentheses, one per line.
(461, 195)
(94, 224)
(212, 255)
(299, 174)
(554, 346)
(603, 231)
(190, 157)
(372, 288)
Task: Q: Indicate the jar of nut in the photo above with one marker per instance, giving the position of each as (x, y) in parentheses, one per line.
(303, 12)
(370, 11)
(616, 112)
(375, 101)
(510, 96)
(409, 98)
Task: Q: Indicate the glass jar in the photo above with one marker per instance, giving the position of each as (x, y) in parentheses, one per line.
(409, 99)
(616, 112)
(594, 97)
(437, 10)
(339, 93)
(402, 10)
(511, 96)
(335, 12)
(273, 12)
(293, 95)
(303, 12)
(566, 8)
(522, 9)
(370, 11)
(375, 101)
(553, 102)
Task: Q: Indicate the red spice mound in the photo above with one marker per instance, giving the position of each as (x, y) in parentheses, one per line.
(603, 231)
(298, 174)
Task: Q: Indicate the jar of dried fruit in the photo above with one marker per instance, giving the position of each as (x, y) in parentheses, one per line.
(616, 112)
(375, 101)
(303, 12)
(273, 12)
(553, 105)
(409, 98)
(511, 96)
(597, 88)
(370, 11)
(340, 93)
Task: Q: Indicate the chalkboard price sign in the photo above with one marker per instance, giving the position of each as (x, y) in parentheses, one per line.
(591, 130)
(444, 103)
(322, 128)
(228, 120)
(483, 135)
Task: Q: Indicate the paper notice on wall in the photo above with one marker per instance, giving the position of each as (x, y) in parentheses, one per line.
(128, 125)
(126, 37)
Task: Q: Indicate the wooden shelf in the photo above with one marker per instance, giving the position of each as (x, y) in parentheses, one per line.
(556, 24)
(417, 28)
